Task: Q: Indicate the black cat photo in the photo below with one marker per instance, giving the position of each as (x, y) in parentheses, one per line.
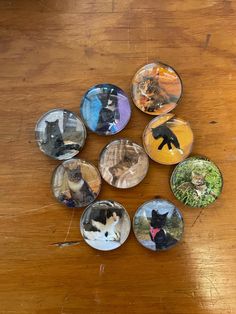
(158, 225)
(169, 138)
(158, 234)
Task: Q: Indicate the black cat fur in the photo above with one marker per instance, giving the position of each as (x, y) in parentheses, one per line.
(162, 239)
(55, 145)
(168, 137)
(109, 112)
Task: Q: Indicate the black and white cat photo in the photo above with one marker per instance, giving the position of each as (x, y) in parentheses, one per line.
(109, 112)
(104, 225)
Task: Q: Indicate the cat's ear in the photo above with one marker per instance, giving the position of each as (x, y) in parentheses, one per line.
(154, 213)
(109, 213)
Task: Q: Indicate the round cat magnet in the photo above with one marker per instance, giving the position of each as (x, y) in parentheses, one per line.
(105, 225)
(76, 183)
(105, 109)
(197, 182)
(156, 88)
(123, 163)
(60, 134)
(168, 139)
(158, 225)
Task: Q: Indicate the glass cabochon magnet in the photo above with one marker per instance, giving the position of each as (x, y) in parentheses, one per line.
(168, 139)
(76, 183)
(196, 182)
(105, 225)
(123, 163)
(158, 225)
(105, 109)
(156, 88)
(60, 134)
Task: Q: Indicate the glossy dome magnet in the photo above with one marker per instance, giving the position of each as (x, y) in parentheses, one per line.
(60, 134)
(168, 139)
(123, 163)
(76, 183)
(158, 225)
(105, 225)
(105, 109)
(156, 88)
(196, 182)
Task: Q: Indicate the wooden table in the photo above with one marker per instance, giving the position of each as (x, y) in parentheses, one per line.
(51, 53)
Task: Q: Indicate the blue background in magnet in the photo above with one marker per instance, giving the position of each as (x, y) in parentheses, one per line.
(91, 106)
(90, 110)
(161, 206)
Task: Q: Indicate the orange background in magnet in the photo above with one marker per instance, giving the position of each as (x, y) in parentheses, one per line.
(184, 134)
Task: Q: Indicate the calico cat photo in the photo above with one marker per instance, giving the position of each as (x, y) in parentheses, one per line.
(150, 89)
(105, 225)
(153, 95)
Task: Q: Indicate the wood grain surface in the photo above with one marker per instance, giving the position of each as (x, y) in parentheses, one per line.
(51, 52)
